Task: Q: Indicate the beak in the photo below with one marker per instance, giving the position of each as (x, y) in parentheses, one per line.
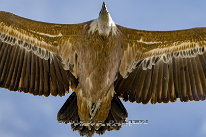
(104, 7)
(104, 10)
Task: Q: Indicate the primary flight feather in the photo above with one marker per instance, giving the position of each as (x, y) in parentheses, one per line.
(100, 61)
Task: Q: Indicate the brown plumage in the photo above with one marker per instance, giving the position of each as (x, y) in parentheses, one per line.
(101, 61)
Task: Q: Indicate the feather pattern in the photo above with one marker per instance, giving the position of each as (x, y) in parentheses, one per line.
(24, 71)
(176, 60)
(181, 78)
(151, 46)
(31, 55)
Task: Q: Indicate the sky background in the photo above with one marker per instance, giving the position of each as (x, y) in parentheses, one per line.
(25, 115)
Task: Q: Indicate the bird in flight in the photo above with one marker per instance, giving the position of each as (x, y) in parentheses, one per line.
(101, 61)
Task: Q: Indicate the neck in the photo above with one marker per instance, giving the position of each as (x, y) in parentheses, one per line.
(104, 25)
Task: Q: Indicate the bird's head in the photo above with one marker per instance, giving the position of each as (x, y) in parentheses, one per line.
(104, 23)
(104, 12)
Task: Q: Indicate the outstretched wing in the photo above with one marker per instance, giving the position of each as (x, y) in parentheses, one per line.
(163, 66)
(31, 55)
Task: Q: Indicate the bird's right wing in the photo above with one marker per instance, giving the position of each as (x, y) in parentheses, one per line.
(163, 66)
(32, 53)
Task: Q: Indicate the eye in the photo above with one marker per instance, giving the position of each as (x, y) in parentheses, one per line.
(100, 12)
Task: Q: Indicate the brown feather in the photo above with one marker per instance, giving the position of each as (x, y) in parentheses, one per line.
(53, 82)
(33, 72)
(183, 89)
(203, 62)
(19, 69)
(27, 72)
(192, 79)
(73, 82)
(23, 74)
(3, 46)
(47, 78)
(15, 70)
(197, 79)
(118, 108)
(187, 80)
(154, 84)
(68, 110)
(65, 77)
(36, 84)
(41, 78)
(201, 79)
(150, 91)
(2, 58)
(146, 87)
(159, 81)
(121, 88)
(5, 64)
(11, 65)
(171, 87)
(176, 75)
(140, 84)
(165, 83)
(132, 90)
(58, 78)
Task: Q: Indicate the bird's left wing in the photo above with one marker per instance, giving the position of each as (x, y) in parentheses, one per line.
(161, 66)
(32, 53)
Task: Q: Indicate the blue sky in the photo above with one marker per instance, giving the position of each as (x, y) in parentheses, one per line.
(24, 115)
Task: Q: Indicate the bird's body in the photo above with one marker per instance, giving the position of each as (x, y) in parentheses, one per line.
(101, 61)
(98, 70)
(96, 66)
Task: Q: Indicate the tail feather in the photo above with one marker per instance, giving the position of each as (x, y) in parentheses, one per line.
(69, 111)
(69, 114)
(118, 109)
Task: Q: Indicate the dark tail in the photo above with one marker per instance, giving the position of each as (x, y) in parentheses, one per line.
(69, 114)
